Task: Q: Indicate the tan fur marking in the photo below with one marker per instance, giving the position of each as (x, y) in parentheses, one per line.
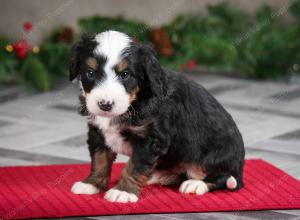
(121, 66)
(92, 63)
(101, 169)
(133, 94)
(177, 174)
(195, 171)
(131, 181)
(140, 130)
(165, 178)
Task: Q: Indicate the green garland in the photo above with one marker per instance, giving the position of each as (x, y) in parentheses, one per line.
(37, 70)
(33, 72)
(224, 38)
(8, 63)
(98, 24)
(227, 39)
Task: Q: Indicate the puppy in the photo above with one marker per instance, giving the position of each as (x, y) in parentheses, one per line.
(172, 129)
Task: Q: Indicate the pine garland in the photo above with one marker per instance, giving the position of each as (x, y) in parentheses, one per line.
(224, 38)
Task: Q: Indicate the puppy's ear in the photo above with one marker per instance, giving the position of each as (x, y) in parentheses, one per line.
(153, 71)
(74, 61)
(79, 51)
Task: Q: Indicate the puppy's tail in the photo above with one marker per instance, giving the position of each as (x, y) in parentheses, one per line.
(225, 182)
(231, 183)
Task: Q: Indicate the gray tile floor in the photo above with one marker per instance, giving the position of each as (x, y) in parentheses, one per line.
(45, 129)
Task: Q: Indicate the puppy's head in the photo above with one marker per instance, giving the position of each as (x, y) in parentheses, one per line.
(113, 70)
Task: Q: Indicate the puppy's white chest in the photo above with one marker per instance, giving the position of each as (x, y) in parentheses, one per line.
(112, 136)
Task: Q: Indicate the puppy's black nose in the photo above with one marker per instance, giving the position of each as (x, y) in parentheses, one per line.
(105, 105)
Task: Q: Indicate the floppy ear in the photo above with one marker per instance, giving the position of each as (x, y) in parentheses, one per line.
(79, 51)
(74, 61)
(152, 69)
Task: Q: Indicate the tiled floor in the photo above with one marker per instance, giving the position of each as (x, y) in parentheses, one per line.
(45, 129)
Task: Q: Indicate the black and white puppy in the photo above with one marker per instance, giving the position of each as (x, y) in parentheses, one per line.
(172, 129)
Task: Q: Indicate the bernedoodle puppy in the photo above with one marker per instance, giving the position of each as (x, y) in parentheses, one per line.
(172, 129)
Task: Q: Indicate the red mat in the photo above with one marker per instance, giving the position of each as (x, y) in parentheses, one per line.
(44, 191)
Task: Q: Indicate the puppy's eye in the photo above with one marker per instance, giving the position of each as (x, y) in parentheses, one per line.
(90, 74)
(124, 75)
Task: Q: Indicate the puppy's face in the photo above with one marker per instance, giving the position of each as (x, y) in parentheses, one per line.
(106, 80)
(112, 69)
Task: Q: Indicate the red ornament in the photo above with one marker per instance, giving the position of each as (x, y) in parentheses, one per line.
(27, 26)
(21, 48)
(191, 65)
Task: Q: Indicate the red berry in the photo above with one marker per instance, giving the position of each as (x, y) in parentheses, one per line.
(27, 26)
(21, 48)
(191, 65)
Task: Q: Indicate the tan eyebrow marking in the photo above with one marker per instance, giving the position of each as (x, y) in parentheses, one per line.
(121, 66)
(92, 63)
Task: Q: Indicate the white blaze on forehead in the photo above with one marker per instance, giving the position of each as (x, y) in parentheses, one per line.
(111, 44)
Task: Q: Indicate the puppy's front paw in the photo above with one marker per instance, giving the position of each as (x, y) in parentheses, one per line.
(115, 195)
(193, 186)
(84, 188)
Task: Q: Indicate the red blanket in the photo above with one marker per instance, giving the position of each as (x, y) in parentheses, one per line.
(44, 191)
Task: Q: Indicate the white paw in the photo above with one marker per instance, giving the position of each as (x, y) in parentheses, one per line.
(114, 195)
(84, 188)
(193, 186)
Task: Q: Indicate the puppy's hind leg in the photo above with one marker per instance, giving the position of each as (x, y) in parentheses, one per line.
(201, 187)
(199, 183)
(195, 183)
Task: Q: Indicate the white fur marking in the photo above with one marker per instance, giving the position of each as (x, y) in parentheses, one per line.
(81, 89)
(111, 44)
(112, 136)
(84, 188)
(111, 90)
(231, 183)
(194, 186)
(114, 195)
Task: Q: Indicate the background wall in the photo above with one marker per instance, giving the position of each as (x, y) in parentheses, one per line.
(48, 13)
